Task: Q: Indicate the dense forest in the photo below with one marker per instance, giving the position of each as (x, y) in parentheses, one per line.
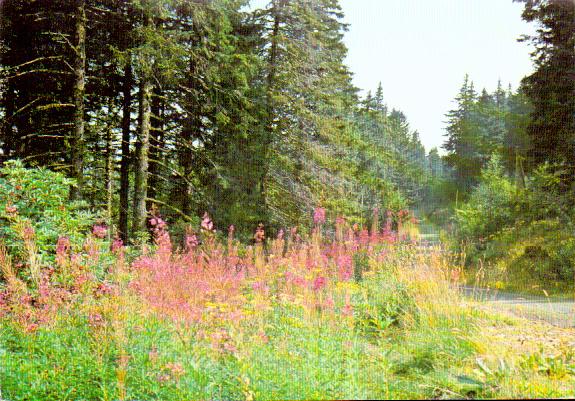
(196, 202)
(511, 159)
(197, 106)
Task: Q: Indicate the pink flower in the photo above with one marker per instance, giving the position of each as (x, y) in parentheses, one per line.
(364, 237)
(262, 335)
(163, 378)
(345, 267)
(319, 283)
(104, 289)
(99, 231)
(260, 286)
(229, 347)
(117, 244)
(153, 354)
(176, 369)
(96, 320)
(299, 281)
(329, 303)
(28, 233)
(319, 216)
(207, 223)
(62, 249)
(31, 327)
(347, 310)
(191, 241)
(26, 299)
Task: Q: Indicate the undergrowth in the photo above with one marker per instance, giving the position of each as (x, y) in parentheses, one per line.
(357, 315)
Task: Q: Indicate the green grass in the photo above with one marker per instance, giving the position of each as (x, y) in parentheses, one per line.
(408, 338)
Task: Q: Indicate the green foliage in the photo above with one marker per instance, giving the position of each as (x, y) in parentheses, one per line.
(555, 366)
(360, 265)
(550, 87)
(481, 126)
(385, 303)
(546, 196)
(491, 205)
(40, 198)
(525, 233)
(536, 252)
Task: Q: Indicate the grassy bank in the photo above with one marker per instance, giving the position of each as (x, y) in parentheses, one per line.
(357, 316)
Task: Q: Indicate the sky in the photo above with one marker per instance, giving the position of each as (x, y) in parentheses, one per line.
(420, 51)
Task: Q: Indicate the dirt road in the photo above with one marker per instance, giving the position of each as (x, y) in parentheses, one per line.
(558, 312)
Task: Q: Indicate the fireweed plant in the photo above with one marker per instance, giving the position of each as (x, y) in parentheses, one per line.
(354, 314)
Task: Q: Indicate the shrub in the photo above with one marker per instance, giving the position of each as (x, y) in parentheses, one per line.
(542, 250)
(545, 195)
(491, 206)
(35, 202)
(525, 231)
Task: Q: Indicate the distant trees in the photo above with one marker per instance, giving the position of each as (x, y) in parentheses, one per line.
(535, 125)
(483, 125)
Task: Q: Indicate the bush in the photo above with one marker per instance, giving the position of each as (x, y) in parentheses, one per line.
(527, 232)
(35, 202)
(545, 196)
(542, 250)
(491, 206)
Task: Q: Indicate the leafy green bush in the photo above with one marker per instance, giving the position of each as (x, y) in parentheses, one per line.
(545, 196)
(37, 200)
(542, 250)
(491, 206)
(384, 303)
(526, 232)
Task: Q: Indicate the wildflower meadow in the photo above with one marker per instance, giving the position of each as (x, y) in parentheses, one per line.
(344, 312)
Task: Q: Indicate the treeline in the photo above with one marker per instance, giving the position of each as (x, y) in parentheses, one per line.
(193, 106)
(511, 158)
(484, 124)
(530, 127)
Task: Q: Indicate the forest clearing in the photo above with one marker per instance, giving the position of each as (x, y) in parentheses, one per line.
(198, 202)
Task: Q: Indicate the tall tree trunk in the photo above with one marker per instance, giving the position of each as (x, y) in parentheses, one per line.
(156, 145)
(109, 172)
(186, 160)
(519, 173)
(7, 123)
(77, 142)
(190, 128)
(125, 162)
(269, 133)
(142, 153)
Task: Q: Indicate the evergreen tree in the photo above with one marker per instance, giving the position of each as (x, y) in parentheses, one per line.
(551, 88)
(462, 138)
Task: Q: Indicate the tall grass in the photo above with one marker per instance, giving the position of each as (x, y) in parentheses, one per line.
(360, 314)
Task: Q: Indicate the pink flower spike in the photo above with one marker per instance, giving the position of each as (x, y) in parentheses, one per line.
(319, 216)
(319, 283)
(100, 231)
(207, 223)
(117, 244)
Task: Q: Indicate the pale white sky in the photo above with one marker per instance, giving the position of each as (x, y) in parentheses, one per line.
(421, 49)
